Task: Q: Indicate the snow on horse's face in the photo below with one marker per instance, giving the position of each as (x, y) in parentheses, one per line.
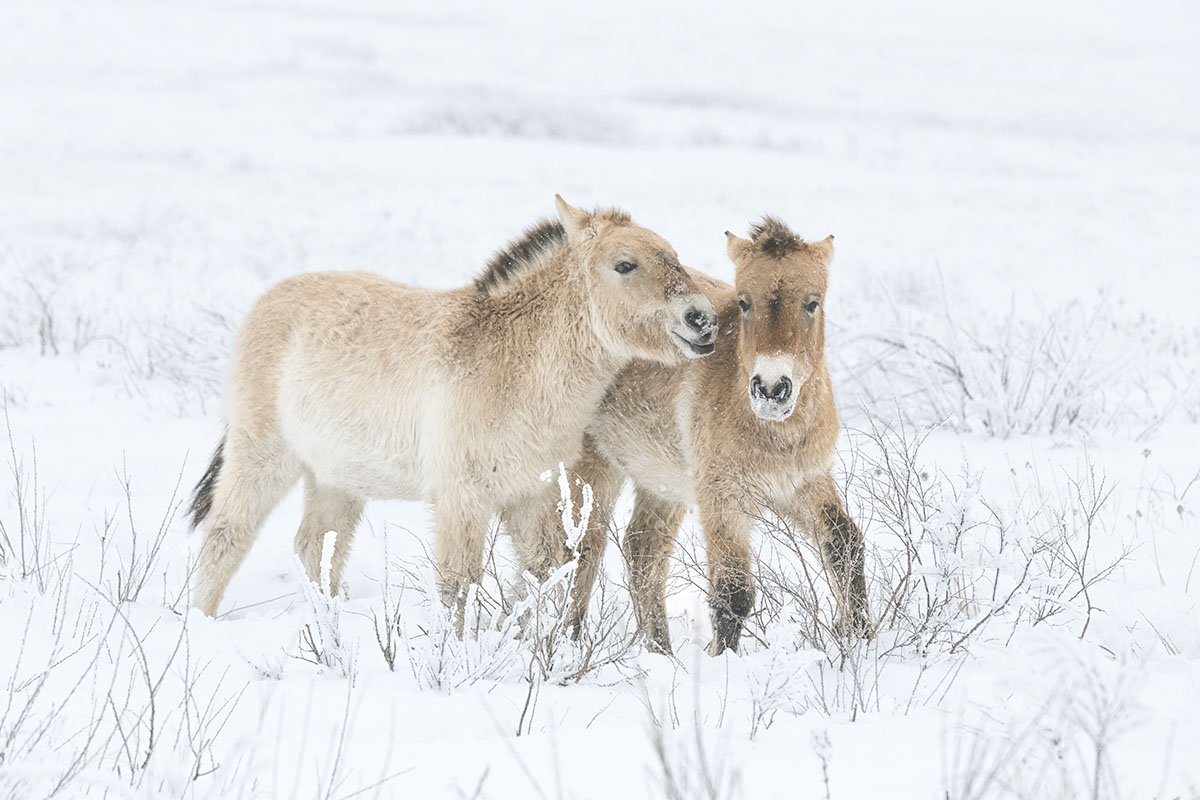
(781, 282)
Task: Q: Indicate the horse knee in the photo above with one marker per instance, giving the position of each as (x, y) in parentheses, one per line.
(844, 549)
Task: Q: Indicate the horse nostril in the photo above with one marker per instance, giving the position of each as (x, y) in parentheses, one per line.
(697, 320)
(756, 387)
(782, 391)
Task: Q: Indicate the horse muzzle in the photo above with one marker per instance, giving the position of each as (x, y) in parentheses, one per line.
(774, 385)
(697, 335)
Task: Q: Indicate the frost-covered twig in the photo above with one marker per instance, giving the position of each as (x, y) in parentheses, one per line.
(26, 549)
(321, 639)
(1075, 368)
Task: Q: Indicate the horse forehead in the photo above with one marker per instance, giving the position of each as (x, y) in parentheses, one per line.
(781, 281)
(776, 296)
(648, 245)
(770, 285)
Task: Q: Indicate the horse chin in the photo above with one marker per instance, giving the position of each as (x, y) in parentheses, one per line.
(770, 410)
(690, 349)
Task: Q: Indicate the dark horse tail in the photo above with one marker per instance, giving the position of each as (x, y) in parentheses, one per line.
(202, 495)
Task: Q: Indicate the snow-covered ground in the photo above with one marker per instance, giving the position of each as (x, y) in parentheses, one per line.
(1014, 189)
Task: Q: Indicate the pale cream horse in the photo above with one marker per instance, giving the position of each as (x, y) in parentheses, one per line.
(369, 388)
(746, 433)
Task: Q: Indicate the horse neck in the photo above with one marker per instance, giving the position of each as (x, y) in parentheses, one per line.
(553, 355)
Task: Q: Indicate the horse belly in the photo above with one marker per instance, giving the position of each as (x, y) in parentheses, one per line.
(374, 444)
(364, 474)
(510, 465)
(668, 479)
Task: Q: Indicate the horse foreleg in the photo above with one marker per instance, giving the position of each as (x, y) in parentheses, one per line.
(731, 581)
(536, 533)
(326, 509)
(604, 482)
(460, 529)
(843, 552)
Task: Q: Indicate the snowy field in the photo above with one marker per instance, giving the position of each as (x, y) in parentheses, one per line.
(1013, 335)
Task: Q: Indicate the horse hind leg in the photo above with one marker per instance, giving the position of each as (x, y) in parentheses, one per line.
(326, 508)
(649, 543)
(249, 477)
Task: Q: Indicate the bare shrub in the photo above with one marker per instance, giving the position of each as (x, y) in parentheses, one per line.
(188, 351)
(134, 566)
(1166, 520)
(107, 712)
(388, 621)
(1060, 749)
(439, 658)
(184, 346)
(42, 311)
(488, 649)
(946, 559)
(606, 639)
(521, 629)
(530, 639)
(777, 686)
(1077, 519)
(322, 640)
(32, 721)
(26, 549)
(163, 743)
(950, 564)
(1077, 368)
(687, 764)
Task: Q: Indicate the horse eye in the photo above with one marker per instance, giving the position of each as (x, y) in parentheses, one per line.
(744, 304)
(812, 306)
(625, 267)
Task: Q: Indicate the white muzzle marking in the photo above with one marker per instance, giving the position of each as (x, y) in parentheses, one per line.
(769, 372)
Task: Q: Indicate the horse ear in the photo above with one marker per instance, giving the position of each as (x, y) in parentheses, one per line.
(824, 248)
(737, 247)
(573, 220)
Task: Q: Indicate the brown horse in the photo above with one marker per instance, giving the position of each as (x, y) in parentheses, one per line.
(748, 431)
(368, 388)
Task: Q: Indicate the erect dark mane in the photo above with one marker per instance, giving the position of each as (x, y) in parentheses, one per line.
(539, 238)
(542, 237)
(774, 238)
